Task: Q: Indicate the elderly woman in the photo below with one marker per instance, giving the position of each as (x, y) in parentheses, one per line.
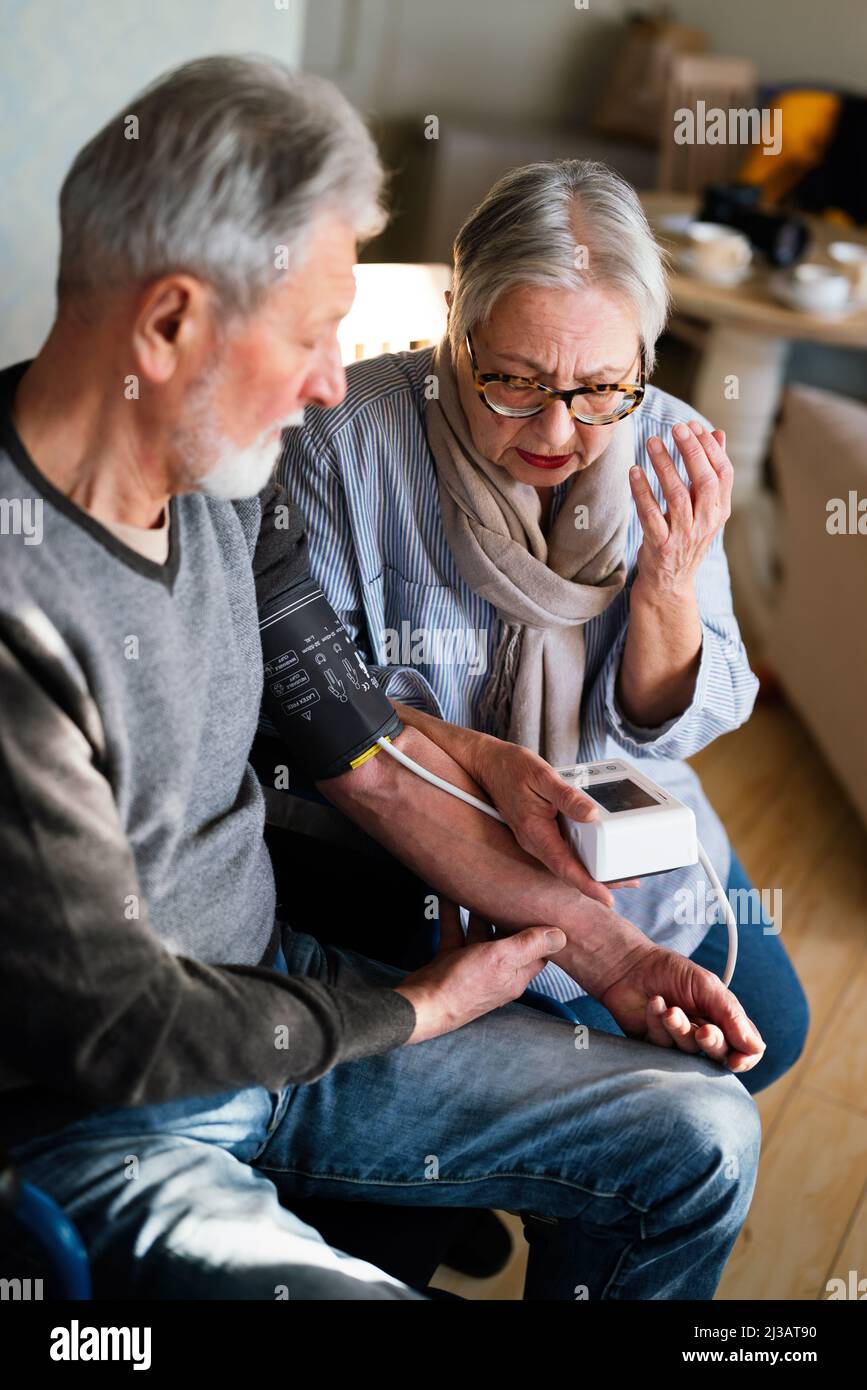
(487, 519)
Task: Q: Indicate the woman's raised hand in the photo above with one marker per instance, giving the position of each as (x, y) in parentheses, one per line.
(676, 541)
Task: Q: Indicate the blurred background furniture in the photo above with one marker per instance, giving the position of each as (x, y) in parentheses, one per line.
(814, 618)
(721, 83)
(437, 182)
(748, 332)
(736, 380)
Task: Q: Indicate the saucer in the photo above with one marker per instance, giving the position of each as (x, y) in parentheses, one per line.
(797, 297)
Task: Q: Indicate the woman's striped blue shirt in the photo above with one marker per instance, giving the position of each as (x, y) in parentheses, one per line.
(363, 475)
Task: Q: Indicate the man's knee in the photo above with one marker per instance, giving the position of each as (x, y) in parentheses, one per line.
(695, 1130)
(715, 1121)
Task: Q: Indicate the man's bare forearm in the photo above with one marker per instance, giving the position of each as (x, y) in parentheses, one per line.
(470, 857)
(458, 742)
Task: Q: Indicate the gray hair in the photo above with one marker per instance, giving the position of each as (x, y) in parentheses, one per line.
(526, 232)
(232, 158)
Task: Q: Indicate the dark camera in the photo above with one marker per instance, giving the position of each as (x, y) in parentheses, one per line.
(778, 236)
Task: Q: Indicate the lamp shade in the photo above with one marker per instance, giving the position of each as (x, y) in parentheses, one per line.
(397, 306)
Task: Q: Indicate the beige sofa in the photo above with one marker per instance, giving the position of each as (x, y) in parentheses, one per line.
(817, 633)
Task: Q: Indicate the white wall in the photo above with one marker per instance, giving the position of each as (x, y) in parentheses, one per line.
(66, 69)
(544, 60)
(822, 41)
(510, 60)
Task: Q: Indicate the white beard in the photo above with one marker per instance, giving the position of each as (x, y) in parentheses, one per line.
(240, 474)
(215, 465)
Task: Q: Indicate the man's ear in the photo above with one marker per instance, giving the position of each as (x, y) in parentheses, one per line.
(173, 321)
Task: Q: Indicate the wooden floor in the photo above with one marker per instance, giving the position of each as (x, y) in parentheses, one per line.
(792, 828)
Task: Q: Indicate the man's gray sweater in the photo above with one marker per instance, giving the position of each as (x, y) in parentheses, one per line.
(136, 892)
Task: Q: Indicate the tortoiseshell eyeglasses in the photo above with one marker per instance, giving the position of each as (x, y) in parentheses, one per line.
(521, 396)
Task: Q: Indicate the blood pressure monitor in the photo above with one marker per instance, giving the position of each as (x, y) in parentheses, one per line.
(640, 827)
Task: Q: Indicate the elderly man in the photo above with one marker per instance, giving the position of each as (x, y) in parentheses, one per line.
(176, 1065)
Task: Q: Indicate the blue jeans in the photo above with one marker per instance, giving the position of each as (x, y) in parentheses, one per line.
(764, 981)
(640, 1161)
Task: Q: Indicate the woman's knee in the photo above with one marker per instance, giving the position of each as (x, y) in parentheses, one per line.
(785, 1037)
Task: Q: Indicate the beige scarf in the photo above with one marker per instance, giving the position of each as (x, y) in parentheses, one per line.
(543, 588)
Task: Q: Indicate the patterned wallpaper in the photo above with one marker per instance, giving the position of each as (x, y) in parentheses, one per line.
(66, 67)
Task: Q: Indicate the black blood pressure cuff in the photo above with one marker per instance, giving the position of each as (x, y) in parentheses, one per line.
(319, 695)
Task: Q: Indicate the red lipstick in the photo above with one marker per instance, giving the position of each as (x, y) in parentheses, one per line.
(543, 460)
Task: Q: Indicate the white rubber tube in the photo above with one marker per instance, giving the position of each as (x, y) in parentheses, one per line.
(445, 786)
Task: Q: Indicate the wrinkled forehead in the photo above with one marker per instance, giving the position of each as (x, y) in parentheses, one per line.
(543, 331)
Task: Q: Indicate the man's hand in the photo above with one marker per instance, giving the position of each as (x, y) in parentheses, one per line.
(464, 982)
(666, 999)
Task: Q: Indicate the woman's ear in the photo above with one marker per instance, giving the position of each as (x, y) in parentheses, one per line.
(448, 298)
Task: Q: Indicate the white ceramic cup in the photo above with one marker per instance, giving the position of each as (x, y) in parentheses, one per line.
(851, 258)
(718, 253)
(817, 289)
